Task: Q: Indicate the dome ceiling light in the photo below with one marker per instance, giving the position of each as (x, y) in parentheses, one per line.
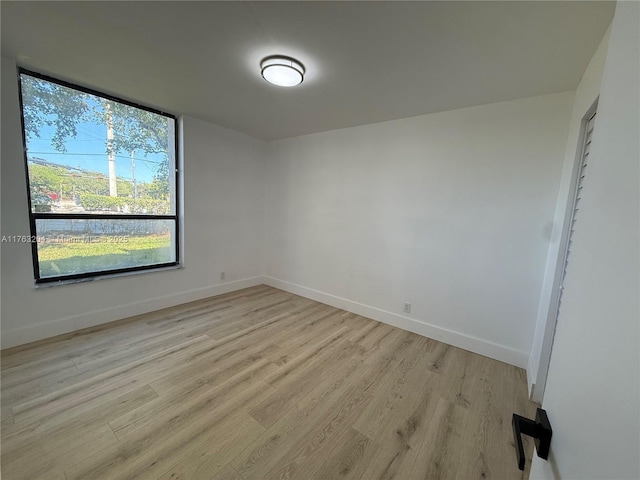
(282, 71)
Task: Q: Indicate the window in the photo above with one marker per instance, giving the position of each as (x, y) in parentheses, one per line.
(101, 180)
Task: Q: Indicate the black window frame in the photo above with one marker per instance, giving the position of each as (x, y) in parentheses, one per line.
(33, 216)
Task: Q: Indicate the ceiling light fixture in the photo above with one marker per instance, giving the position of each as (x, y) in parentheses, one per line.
(282, 71)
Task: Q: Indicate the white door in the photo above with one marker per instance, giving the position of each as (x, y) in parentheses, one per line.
(566, 240)
(592, 396)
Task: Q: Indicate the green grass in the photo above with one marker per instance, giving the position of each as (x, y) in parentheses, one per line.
(77, 256)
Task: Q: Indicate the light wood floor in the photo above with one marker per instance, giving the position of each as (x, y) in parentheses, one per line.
(256, 384)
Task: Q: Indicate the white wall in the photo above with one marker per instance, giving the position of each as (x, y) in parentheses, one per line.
(223, 214)
(451, 212)
(592, 394)
(586, 95)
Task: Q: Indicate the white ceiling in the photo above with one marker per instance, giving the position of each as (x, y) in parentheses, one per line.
(366, 61)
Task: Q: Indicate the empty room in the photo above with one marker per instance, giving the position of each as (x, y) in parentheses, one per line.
(320, 240)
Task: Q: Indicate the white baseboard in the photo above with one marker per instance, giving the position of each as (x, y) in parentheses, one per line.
(532, 374)
(457, 339)
(20, 336)
(32, 333)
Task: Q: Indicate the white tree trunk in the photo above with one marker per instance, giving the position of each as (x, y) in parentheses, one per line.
(113, 185)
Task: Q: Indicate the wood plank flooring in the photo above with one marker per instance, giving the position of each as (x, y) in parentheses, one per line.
(256, 384)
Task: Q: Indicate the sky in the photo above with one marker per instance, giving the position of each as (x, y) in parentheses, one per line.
(88, 151)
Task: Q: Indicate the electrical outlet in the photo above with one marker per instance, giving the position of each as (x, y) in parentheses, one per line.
(407, 308)
(221, 275)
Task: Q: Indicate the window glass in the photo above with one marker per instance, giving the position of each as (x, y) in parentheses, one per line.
(101, 180)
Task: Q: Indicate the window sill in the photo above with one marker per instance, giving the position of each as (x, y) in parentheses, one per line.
(74, 281)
